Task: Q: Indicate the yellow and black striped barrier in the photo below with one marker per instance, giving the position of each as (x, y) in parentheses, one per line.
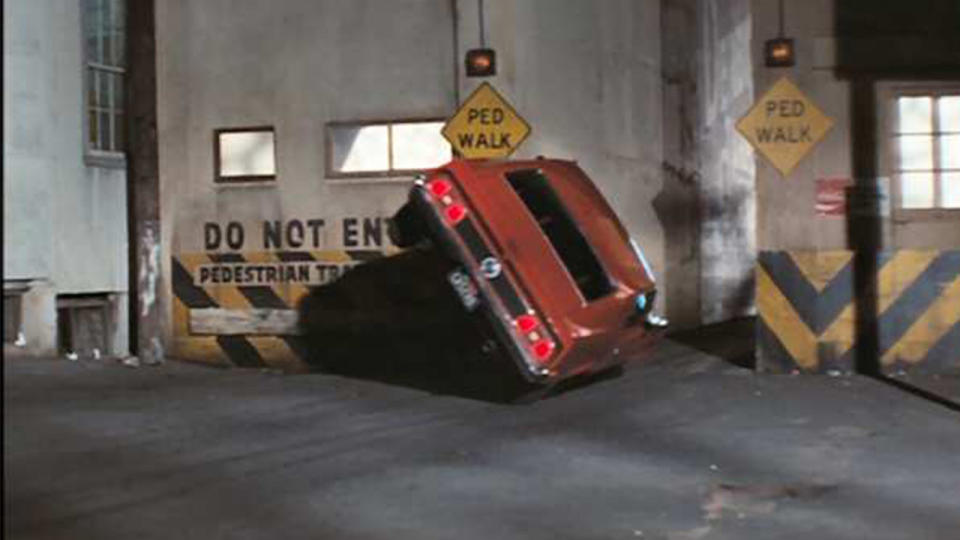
(249, 283)
(806, 311)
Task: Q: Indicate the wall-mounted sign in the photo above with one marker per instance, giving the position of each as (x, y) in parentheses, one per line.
(784, 125)
(832, 196)
(486, 126)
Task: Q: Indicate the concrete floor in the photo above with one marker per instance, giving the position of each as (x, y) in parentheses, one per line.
(685, 446)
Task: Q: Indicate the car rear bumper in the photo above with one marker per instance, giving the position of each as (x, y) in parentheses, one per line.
(500, 301)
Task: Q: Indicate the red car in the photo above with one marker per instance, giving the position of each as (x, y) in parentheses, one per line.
(542, 257)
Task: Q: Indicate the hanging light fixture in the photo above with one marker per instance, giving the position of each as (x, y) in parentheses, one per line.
(779, 52)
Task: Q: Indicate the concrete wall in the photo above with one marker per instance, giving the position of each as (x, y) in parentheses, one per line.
(64, 222)
(294, 65)
(865, 290)
(786, 213)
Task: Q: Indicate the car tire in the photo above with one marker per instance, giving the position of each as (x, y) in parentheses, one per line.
(406, 228)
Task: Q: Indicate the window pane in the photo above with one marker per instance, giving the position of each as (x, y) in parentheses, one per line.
(914, 114)
(950, 113)
(92, 47)
(104, 89)
(117, 91)
(102, 31)
(104, 122)
(950, 152)
(247, 153)
(120, 39)
(916, 152)
(360, 148)
(916, 190)
(116, 24)
(92, 129)
(419, 146)
(119, 132)
(92, 82)
(950, 185)
(92, 21)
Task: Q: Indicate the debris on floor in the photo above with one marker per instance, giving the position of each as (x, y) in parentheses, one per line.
(757, 499)
(131, 361)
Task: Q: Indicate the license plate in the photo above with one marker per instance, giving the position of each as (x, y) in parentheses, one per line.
(465, 288)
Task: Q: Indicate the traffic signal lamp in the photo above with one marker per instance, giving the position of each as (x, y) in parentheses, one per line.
(481, 63)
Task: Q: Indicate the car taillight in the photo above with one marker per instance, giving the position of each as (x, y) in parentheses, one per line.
(455, 213)
(439, 187)
(543, 349)
(526, 323)
(538, 341)
(442, 191)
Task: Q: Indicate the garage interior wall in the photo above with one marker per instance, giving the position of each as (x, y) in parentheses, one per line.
(590, 78)
(649, 116)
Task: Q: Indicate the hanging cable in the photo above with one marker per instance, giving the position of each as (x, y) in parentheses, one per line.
(780, 35)
(483, 37)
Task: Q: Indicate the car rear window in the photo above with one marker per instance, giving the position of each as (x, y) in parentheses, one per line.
(561, 230)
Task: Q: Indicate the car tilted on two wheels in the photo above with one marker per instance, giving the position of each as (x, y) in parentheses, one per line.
(539, 260)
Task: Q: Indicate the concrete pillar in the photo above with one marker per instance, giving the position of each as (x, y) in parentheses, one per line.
(678, 205)
(143, 186)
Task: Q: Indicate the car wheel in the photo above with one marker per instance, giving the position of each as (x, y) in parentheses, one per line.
(406, 228)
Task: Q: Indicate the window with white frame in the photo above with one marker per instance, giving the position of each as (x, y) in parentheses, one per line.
(105, 60)
(926, 149)
(383, 149)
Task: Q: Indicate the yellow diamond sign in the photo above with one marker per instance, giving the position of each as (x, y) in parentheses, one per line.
(784, 125)
(486, 126)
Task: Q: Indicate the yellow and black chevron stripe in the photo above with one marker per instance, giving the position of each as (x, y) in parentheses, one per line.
(286, 352)
(806, 317)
